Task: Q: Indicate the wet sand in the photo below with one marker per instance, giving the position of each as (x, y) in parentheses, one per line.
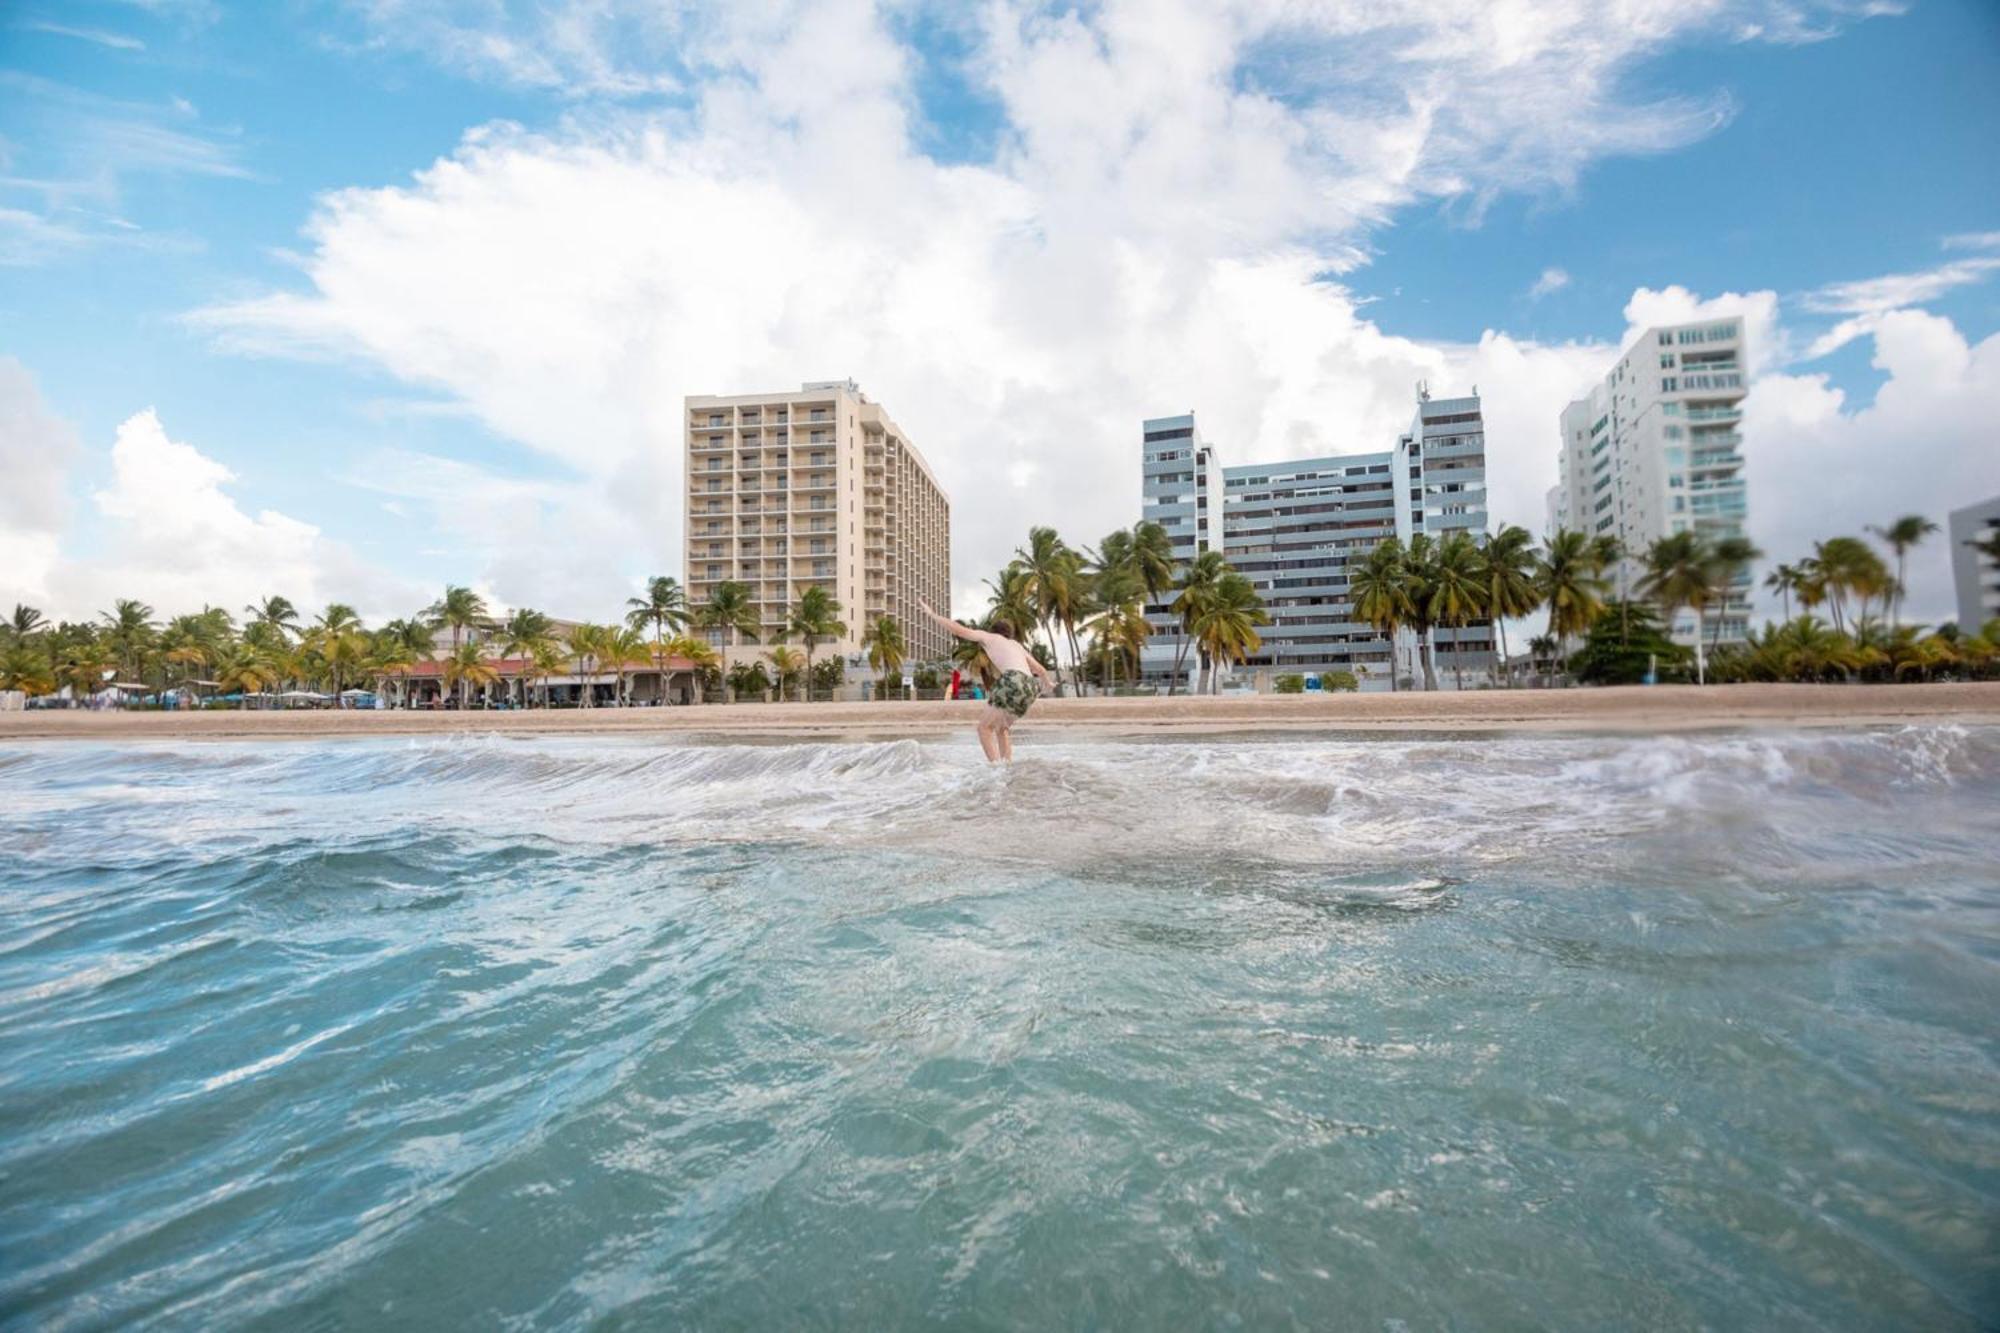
(1625, 709)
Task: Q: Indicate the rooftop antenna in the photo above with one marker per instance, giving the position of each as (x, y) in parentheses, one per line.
(1423, 392)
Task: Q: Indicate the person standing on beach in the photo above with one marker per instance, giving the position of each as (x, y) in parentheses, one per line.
(1016, 690)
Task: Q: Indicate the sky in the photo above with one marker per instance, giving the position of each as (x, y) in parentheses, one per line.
(348, 299)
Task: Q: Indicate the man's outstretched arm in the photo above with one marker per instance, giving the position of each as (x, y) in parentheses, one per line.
(962, 631)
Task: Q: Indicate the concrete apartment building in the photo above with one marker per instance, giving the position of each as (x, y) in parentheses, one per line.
(1657, 448)
(1292, 528)
(815, 487)
(1976, 576)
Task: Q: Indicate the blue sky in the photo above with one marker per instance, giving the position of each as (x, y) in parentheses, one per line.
(370, 374)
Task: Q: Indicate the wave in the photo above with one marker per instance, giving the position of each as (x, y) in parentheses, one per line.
(1151, 806)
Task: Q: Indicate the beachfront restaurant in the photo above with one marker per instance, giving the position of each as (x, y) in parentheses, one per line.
(519, 686)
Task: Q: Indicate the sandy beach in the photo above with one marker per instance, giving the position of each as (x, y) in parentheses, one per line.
(1630, 709)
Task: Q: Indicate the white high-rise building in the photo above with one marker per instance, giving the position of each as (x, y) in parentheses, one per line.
(1975, 575)
(1657, 448)
(1294, 528)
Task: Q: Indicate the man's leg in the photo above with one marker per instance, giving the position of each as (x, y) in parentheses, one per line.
(987, 739)
(1004, 736)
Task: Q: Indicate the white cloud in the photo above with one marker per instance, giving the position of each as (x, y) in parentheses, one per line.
(1768, 343)
(1171, 184)
(177, 539)
(1817, 468)
(1973, 240)
(67, 177)
(1896, 291)
(117, 41)
(1552, 280)
(37, 449)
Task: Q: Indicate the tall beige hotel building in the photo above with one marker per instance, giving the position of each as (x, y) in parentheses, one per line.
(789, 490)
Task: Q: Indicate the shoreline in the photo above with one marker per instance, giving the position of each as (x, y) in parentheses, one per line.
(1620, 709)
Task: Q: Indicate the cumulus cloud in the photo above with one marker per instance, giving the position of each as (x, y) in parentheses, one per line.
(37, 449)
(177, 539)
(1173, 183)
(1819, 467)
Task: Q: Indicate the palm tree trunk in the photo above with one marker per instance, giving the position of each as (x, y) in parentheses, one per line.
(1700, 661)
(1506, 666)
(1180, 660)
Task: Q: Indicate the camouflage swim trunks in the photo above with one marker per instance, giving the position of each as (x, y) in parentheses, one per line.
(1013, 693)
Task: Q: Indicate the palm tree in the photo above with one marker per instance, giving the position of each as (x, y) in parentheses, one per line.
(467, 666)
(25, 621)
(582, 642)
(246, 669)
(1844, 565)
(1381, 595)
(1226, 624)
(1680, 573)
(545, 658)
(730, 608)
(1509, 577)
(337, 642)
(521, 634)
(1900, 536)
(1570, 581)
(1786, 580)
(1988, 545)
(1730, 558)
(1056, 585)
(619, 646)
(884, 642)
(276, 614)
(459, 610)
(1196, 587)
(24, 669)
(749, 678)
(1012, 599)
(815, 619)
(128, 633)
(664, 607)
(1120, 629)
(786, 666)
(399, 646)
(1418, 567)
(187, 644)
(699, 653)
(1152, 559)
(1542, 651)
(1457, 587)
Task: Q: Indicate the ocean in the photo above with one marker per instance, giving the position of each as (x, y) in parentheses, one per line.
(1266, 1032)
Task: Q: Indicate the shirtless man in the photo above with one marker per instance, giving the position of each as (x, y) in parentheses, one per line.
(1007, 702)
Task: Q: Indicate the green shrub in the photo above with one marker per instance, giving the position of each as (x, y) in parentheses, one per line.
(1339, 680)
(1291, 683)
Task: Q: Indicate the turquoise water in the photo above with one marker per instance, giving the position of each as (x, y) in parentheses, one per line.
(1528, 1032)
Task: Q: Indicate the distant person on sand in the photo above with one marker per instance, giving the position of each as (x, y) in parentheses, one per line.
(1009, 699)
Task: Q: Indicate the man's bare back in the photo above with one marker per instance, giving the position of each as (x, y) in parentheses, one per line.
(1012, 694)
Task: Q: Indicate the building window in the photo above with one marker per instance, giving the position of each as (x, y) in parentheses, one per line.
(1670, 385)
